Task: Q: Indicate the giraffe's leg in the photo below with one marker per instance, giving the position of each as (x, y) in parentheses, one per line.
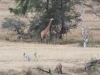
(41, 40)
(42, 36)
(48, 39)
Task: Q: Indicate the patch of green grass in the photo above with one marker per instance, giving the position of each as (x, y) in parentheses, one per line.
(35, 56)
(29, 72)
(94, 70)
(98, 29)
(62, 42)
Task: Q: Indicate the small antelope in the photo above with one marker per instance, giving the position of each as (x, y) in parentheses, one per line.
(26, 56)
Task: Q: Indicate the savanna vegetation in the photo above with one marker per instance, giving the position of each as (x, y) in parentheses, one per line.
(64, 12)
(51, 59)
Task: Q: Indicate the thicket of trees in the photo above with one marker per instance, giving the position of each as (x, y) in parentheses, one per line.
(63, 12)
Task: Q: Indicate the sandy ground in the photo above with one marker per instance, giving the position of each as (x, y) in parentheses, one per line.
(47, 56)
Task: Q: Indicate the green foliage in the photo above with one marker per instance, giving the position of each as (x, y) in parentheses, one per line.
(97, 1)
(35, 56)
(16, 11)
(61, 10)
(68, 42)
(81, 43)
(25, 6)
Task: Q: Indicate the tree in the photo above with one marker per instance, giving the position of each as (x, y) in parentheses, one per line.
(61, 10)
(15, 25)
(97, 10)
(98, 1)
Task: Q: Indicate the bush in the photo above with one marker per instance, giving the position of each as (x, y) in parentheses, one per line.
(15, 25)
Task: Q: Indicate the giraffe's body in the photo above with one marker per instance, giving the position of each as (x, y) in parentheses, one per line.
(45, 34)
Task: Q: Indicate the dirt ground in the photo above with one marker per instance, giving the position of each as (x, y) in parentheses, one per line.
(45, 56)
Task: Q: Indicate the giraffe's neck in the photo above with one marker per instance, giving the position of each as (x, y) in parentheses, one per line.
(48, 27)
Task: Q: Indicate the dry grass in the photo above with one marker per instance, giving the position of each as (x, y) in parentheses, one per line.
(72, 58)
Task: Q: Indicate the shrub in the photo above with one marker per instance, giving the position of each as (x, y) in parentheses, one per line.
(15, 25)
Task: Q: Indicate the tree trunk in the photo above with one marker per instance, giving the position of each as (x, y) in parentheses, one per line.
(62, 20)
(47, 5)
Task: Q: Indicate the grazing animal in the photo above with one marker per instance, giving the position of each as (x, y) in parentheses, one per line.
(45, 34)
(26, 56)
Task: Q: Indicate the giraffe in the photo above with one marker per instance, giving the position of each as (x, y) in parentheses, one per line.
(45, 34)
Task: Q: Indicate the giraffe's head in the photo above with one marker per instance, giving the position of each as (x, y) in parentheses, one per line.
(52, 19)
